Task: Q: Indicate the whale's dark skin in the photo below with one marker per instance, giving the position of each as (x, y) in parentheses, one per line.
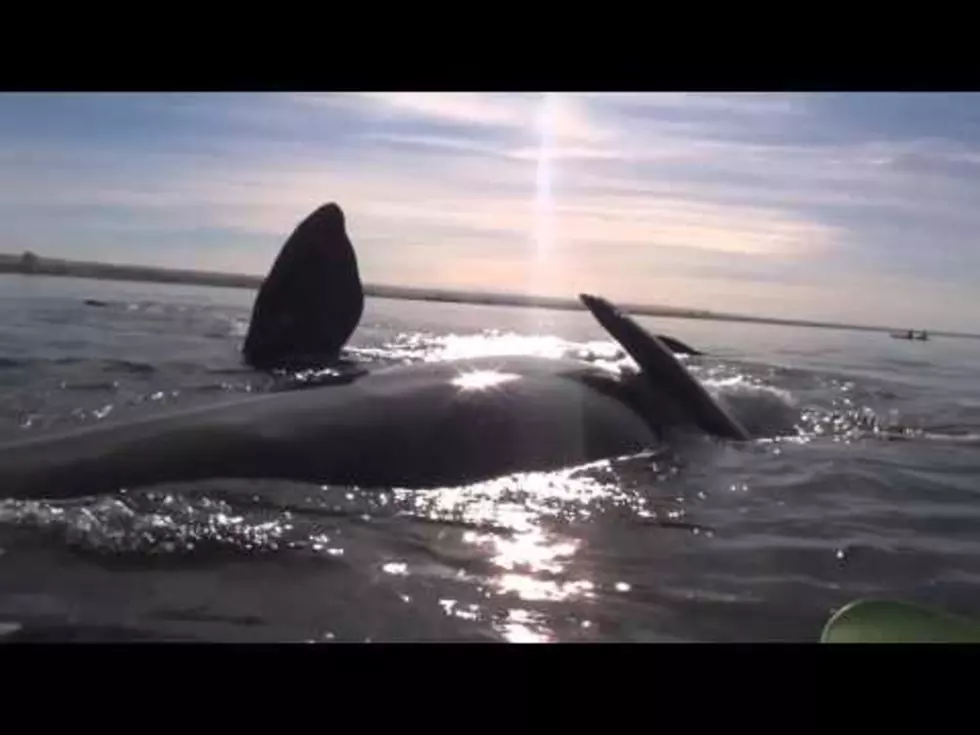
(665, 374)
(419, 426)
(311, 301)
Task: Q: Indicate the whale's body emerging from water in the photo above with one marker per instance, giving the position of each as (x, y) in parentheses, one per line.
(418, 426)
(426, 425)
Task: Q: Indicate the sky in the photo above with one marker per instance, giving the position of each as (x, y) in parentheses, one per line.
(852, 207)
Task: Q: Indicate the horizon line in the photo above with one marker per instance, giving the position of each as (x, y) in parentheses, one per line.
(30, 264)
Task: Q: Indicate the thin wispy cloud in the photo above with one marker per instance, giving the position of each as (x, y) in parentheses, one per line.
(853, 207)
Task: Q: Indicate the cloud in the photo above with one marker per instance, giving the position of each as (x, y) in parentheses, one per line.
(815, 204)
(564, 116)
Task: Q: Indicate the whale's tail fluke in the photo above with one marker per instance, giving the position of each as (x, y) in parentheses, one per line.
(312, 300)
(660, 366)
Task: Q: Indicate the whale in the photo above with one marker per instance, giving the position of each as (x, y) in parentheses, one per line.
(424, 425)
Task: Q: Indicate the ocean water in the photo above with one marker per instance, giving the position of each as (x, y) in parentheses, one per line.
(863, 482)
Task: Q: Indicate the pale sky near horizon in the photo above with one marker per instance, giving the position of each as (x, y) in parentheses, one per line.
(852, 207)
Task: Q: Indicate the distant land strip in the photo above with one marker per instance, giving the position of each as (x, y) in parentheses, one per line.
(31, 264)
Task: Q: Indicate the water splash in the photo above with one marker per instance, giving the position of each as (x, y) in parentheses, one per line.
(150, 525)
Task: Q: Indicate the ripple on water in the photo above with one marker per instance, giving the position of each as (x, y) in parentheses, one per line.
(711, 542)
(155, 525)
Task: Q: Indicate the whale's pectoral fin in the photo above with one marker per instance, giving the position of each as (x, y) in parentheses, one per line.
(665, 371)
(678, 347)
(312, 300)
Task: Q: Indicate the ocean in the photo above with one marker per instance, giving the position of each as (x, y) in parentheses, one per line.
(862, 483)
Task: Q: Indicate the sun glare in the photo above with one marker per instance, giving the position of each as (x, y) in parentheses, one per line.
(544, 202)
(482, 379)
(544, 212)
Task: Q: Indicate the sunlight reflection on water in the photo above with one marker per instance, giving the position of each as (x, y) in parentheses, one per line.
(523, 626)
(528, 561)
(419, 346)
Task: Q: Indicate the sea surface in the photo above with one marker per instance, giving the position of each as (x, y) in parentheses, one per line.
(863, 482)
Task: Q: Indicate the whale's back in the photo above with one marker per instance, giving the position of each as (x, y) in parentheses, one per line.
(425, 425)
(447, 424)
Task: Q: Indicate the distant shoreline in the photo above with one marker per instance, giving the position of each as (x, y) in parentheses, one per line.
(29, 264)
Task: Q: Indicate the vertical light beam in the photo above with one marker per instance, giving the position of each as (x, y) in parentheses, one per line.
(544, 214)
